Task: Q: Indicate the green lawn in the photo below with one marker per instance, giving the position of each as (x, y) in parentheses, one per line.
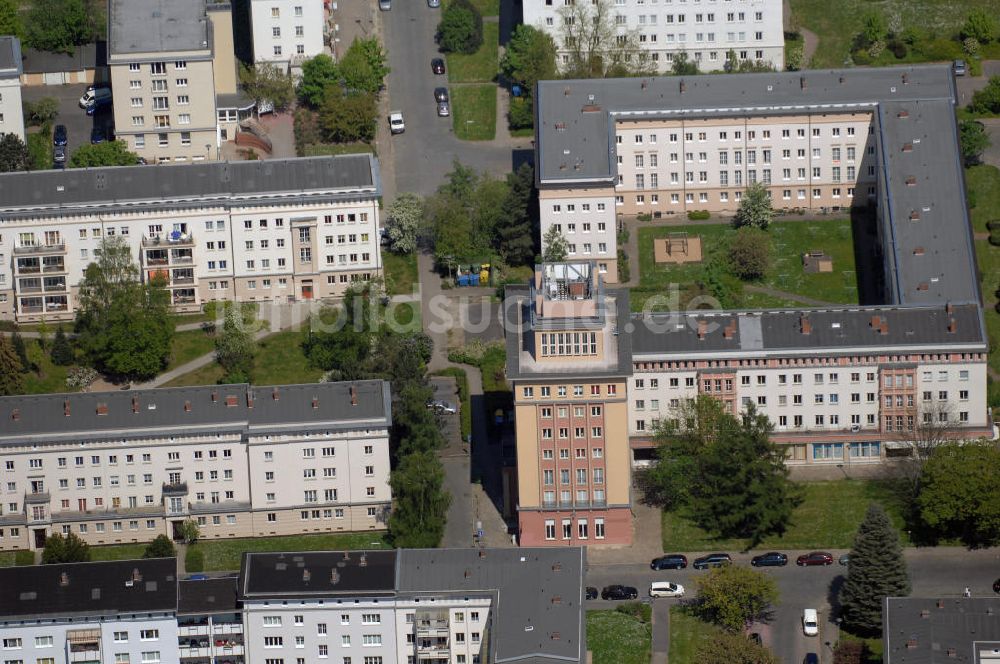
(188, 345)
(836, 23)
(983, 183)
(827, 518)
(479, 67)
(487, 7)
(988, 259)
(322, 149)
(400, 272)
(6, 558)
(686, 633)
(49, 378)
(616, 638)
(117, 552)
(225, 554)
(474, 112)
(789, 240)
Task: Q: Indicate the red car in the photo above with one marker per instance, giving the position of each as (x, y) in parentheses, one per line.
(814, 558)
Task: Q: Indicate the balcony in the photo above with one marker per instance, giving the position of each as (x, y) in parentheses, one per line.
(172, 239)
(37, 498)
(222, 506)
(182, 281)
(188, 652)
(181, 257)
(51, 265)
(175, 488)
(28, 267)
(36, 249)
(191, 629)
(227, 628)
(183, 299)
(92, 655)
(435, 651)
(432, 628)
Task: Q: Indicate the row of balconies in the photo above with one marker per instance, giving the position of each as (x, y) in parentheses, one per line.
(48, 248)
(47, 264)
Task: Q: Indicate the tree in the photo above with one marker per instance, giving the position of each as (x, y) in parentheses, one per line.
(750, 253)
(124, 325)
(530, 57)
(461, 28)
(13, 154)
(755, 208)
(319, 74)
(420, 501)
(556, 247)
(58, 25)
(731, 596)
(189, 531)
(959, 495)
(62, 350)
(980, 25)
(987, 99)
(11, 368)
(348, 117)
(974, 140)
(21, 350)
(265, 82)
(234, 348)
(877, 570)
(727, 648)
(683, 66)
(363, 67)
(10, 19)
(734, 65)
(515, 233)
(109, 153)
(403, 222)
(933, 427)
(874, 27)
(596, 46)
(69, 549)
(37, 113)
(161, 547)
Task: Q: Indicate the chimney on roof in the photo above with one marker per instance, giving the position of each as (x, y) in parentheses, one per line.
(249, 398)
(729, 331)
(468, 572)
(911, 644)
(347, 555)
(683, 87)
(876, 321)
(918, 251)
(922, 286)
(274, 394)
(15, 414)
(334, 577)
(952, 326)
(354, 396)
(482, 553)
(187, 406)
(231, 400)
(911, 181)
(556, 599)
(953, 653)
(136, 575)
(66, 407)
(702, 329)
(949, 308)
(925, 613)
(102, 409)
(306, 575)
(906, 79)
(364, 561)
(135, 404)
(557, 567)
(802, 83)
(940, 604)
(64, 579)
(907, 147)
(315, 403)
(884, 329)
(841, 80)
(555, 636)
(566, 91)
(914, 215)
(645, 84)
(805, 324)
(902, 115)
(215, 396)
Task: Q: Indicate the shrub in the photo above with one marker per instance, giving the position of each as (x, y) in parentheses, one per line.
(80, 377)
(624, 270)
(850, 652)
(995, 238)
(638, 610)
(24, 557)
(750, 254)
(898, 48)
(461, 28)
(993, 224)
(194, 560)
(698, 215)
(645, 216)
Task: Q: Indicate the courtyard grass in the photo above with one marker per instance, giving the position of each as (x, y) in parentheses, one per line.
(988, 260)
(481, 66)
(687, 632)
(49, 378)
(6, 558)
(474, 112)
(117, 552)
(188, 345)
(827, 518)
(220, 555)
(400, 272)
(618, 638)
(983, 184)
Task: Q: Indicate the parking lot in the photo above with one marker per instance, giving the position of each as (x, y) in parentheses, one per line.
(78, 123)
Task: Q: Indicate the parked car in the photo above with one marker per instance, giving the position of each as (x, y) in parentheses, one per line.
(97, 135)
(396, 124)
(769, 559)
(619, 592)
(959, 67)
(101, 102)
(591, 592)
(811, 658)
(433, 4)
(669, 561)
(385, 5)
(59, 156)
(665, 589)
(814, 558)
(712, 560)
(844, 559)
(810, 622)
(59, 135)
(95, 94)
(443, 406)
(437, 65)
(996, 586)
(444, 110)
(440, 94)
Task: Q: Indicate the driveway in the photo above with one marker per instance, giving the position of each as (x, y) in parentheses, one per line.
(78, 123)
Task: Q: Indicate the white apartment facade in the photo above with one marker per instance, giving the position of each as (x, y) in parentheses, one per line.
(264, 231)
(244, 462)
(287, 32)
(11, 68)
(706, 30)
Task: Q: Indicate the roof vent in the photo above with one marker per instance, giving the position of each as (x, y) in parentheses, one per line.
(315, 403)
(231, 400)
(102, 409)
(805, 324)
(892, 89)
(907, 147)
(15, 414)
(918, 251)
(60, 187)
(274, 394)
(64, 579)
(306, 575)
(952, 326)
(66, 407)
(529, 628)
(187, 406)
(902, 115)
(135, 404)
(591, 98)
(911, 181)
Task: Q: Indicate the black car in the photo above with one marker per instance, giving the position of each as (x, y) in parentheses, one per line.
(437, 66)
(811, 658)
(769, 559)
(97, 135)
(669, 561)
(619, 592)
(591, 592)
(59, 135)
(712, 560)
(440, 94)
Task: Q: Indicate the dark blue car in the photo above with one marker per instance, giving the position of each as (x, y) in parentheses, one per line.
(769, 559)
(59, 135)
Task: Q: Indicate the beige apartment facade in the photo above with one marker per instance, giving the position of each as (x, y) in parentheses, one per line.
(239, 460)
(259, 231)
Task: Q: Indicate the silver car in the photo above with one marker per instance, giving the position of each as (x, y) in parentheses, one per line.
(444, 110)
(433, 4)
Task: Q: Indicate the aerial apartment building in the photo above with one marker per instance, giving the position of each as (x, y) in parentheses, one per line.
(11, 68)
(240, 460)
(454, 606)
(705, 30)
(842, 385)
(264, 231)
(286, 33)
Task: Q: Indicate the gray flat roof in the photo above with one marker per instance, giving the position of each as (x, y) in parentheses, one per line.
(85, 56)
(157, 26)
(215, 595)
(138, 413)
(88, 589)
(538, 615)
(10, 56)
(70, 190)
(307, 574)
(928, 630)
(838, 330)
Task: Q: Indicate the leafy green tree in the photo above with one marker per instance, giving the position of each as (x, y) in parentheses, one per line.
(234, 348)
(515, 228)
(21, 350)
(348, 117)
(11, 368)
(109, 153)
(750, 253)
(974, 141)
(37, 113)
(160, 547)
(461, 28)
(62, 350)
(728, 648)
(364, 66)
(959, 495)
(10, 19)
(755, 208)
(403, 223)
(189, 531)
(420, 502)
(69, 549)
(987, 99)
(319, 74)
(124, 325)
(734, 65)
(265, 82)
(874, 27)
(683, 65)
(596, 45)
(530, 57)
(731, 596)
(556, 247)
(877, 570)
(58, 25)
(13, 154)
(980, 25)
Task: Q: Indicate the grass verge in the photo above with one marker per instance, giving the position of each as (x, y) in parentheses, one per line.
(323, 149)
(618, 638)
(474, 112)
(117, 552)
(983, 184)
(225, 554)
(687, 632)
(478, 67)
(49, 378)
(188, 345)
(400, 272)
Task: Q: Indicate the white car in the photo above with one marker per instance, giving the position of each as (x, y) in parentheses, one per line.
(443, 407)
(665, 589)
(810, 622)
(396, 125)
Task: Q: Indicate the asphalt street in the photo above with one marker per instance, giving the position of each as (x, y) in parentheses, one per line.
(425, 152)
(937, 572)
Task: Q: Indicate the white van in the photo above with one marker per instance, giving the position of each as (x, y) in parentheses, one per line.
(95, 95)
(385, 5)
(810, 622)
(665, 589)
